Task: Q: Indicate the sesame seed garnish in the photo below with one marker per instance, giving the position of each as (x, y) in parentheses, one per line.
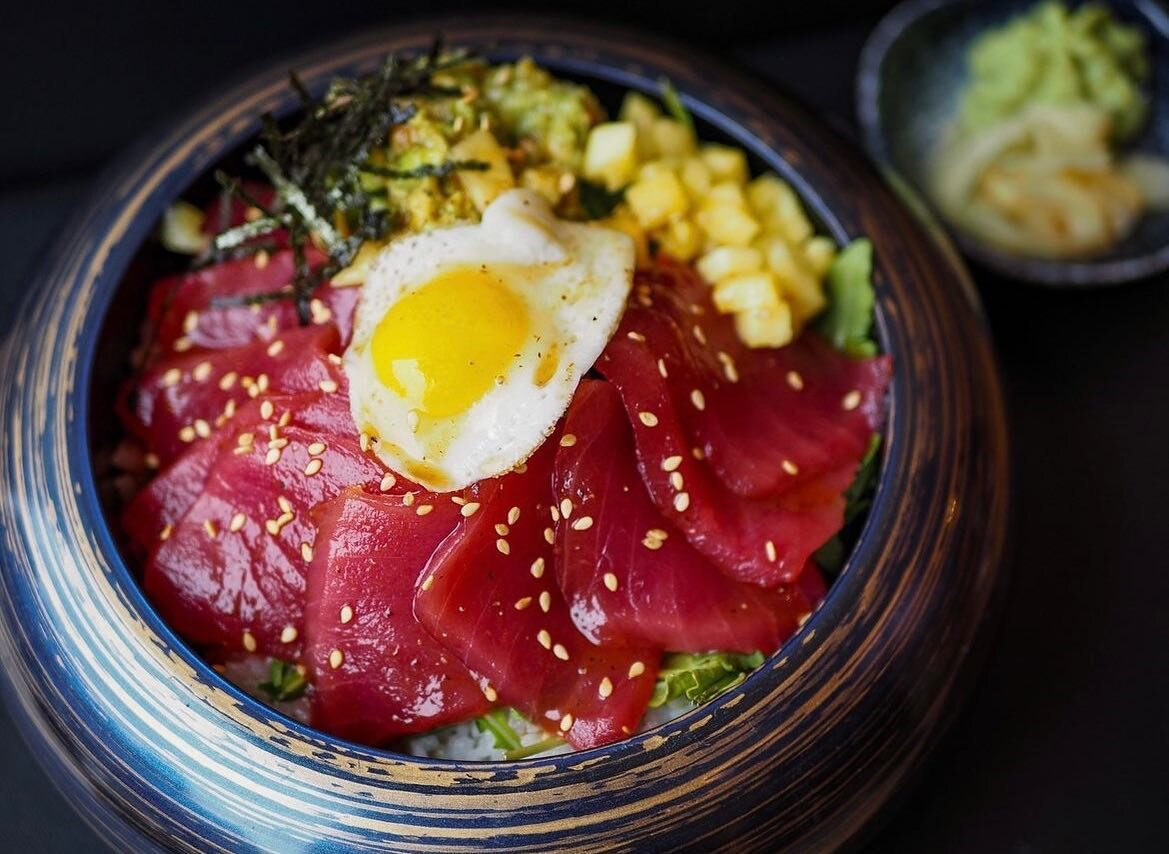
(502, 547)
(729, 369)
(151, 461)
(851, 400)
(520, 604)
(316, 449)
(229, 408)
(790, 467)
(165, 533)
(549, 536)
(502, 529)
(190, 322)
(334, 359)
(408, 499)
(458, 499)
(566, 507)
(611, 582)
(228, 380)
(544, 639)
(321, 312)
(237, 522)
(336, 658)
(513, 515)
(698, 399)
(662, 368)
(272, 527)
(648, 419)
(275, 347)
(636, 669)
(210, 528)
(560, 652)
(671, 463)
(187, 434)
(795, 380)
(278, 442)
(545, 601)
(314, 466)
(554, 513)
(172, 377)
(363, 440)
(245, 440)
(521, 468)
(470, 509)
(284, 504)
(769, 547)
(698, 453)
(566, 723)
(538, 568)
(346, 614)
(652, 544)
(583, 523)
(681, 501)
(635, 336)
(201, 372)
(428, 583)
(699, 335)
(328, 386)
(202, 428)
(289, 634)
(567, 440)
(490, 693)
(182, 345)
(271, 322)
(423, 509)
(676, 480)
(262, 382)
(261, 259)
(306, 552)
(657, 534)
(249, 641)
(272, 457)
(388, 481)
(266, 409)
(605, 688)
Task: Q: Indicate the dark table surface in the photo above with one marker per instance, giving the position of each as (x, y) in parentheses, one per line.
(1065, 743)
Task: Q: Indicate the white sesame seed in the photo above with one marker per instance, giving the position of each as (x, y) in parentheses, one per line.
(201, 372)
(336, 658)
(470, 509)
(681, 501)
(790, 467)
(671, 463)
(165, 533)
(549, 536)
(611, 582)
(424, 509)
(560, 652)
(538, 568)
(289, 634)
(698, 453)
(458, 499)
(521, 468)
(851, 400)
(272, 457)
(275, 347)
(567, 440)
(210, 528)
(151, 461)
(314, 466)
(605, 688)
(769, 548)
(316, 449)
(490, 693)
(657, 534)
(245, 439)
(566, 721)
(502, 529)
(582, 524)
(729, 369)
(187, 434)
(795, 380)
(266, 409)
(545, 601)
(388, 481)
(676, 480)
(306, 552)
(262, 382)
(228, 380)
(502, 547)
(648, 419)
(555, 513)
(261, 259)
(544, 639)
(249, 641)
(346, 614)
(172, 377)
(428, 583)
(699, 335)
(279, 443)
(408, 499)
(566, 507)
(272, 527)
(662, 368)
(520, 604)
(237, 522)
(698, 399)
(328, 386)
(190, 322)
(513, 515)
(635, 336)
(284, 504)
(182, 345)
(652, 544)
(636, 669)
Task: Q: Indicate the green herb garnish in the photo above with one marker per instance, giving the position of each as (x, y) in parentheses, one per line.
(848, 322)
(596, 201)
(674, 106)
(858, 498)
(316, 169)
(701, 677)
(498, 723)
(285, 681)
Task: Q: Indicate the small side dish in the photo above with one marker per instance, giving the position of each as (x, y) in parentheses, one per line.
(483, 426)
(1037, 161)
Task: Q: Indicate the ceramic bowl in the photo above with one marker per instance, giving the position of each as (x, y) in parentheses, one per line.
(156, 750)
(911, 74)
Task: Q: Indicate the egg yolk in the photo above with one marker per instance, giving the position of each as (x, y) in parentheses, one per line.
(442, 346)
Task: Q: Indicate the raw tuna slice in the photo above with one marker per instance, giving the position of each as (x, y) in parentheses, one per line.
(231, 572)
(490, 595)
(219, 217)
(187, 320)
(673, 382)
(377, 673)
(632, 575)
(182, 400)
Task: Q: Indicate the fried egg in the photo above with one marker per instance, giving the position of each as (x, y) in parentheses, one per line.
(469, 341)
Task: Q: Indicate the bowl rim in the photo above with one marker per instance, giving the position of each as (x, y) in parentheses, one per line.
(1080, 274)
(791, 658)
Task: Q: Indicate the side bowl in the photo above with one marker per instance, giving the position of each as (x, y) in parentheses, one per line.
(156, 750)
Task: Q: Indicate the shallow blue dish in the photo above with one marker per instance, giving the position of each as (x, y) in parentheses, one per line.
(157, 751)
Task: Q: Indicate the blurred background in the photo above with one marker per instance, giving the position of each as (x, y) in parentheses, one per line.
(1065, 742)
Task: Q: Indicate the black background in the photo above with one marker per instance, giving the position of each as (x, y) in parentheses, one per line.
(1065, 743)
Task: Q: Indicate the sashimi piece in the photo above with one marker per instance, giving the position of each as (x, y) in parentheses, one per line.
(231, 572)
(654, 361)
(490, 595)
(632, 575)
(377, 673)
(187, 318)
(182, 400)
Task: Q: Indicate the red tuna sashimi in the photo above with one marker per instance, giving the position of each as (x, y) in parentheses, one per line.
(656, 361)
(187, 320)
(767, 419)
(377, 673)
(231, 572)
(181, 400)
(490, 595)
(219, 217)
(631, 575)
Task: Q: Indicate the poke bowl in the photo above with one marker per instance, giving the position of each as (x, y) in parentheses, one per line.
(136, 710)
